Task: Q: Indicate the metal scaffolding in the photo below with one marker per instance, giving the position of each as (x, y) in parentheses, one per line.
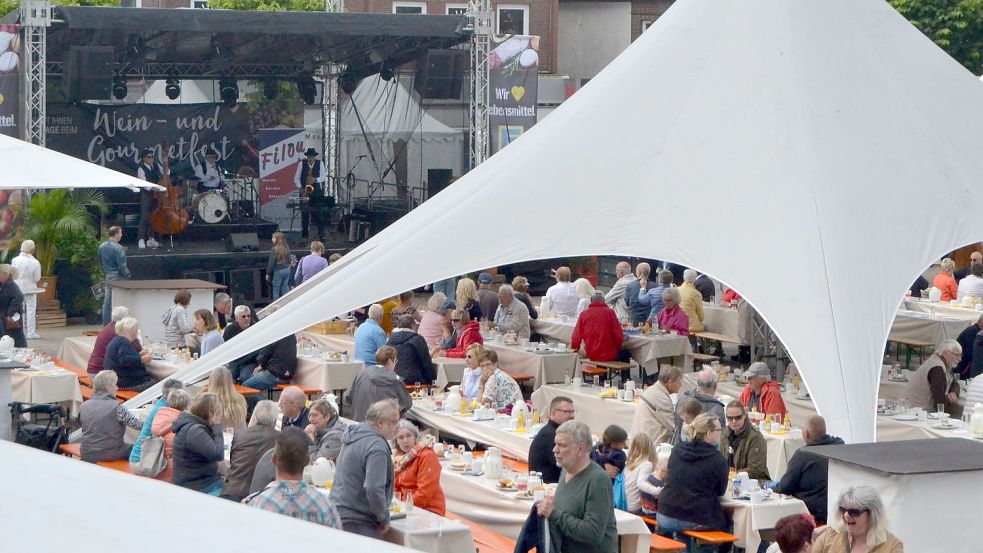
(35, 18)
(480, 16)
(331, 121)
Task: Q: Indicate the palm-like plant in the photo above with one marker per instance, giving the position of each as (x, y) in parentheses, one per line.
(54, 216)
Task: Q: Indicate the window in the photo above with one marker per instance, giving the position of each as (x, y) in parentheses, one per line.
(457, 9)
(199, 4)
(410, 7)
(646, 23)
(512, 20)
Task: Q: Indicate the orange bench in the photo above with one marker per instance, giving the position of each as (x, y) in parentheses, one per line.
(488, 541)
(75, 451)
(710, 537)
(84, 378)
(72, 450)
(662, 544)
(309, 392)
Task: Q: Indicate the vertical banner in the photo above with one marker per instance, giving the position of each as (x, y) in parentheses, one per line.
(513, 80)
(10, 49)
(280, 151)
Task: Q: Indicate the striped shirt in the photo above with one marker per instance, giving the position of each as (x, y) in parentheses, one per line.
(298, 500)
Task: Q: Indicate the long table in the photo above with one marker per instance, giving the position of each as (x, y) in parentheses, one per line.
(46, 385)
(750, 519)
(494, 432)
(645, 350)
(968, 314)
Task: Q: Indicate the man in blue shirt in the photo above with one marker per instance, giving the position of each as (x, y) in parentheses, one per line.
(369, 336)
(112, 257)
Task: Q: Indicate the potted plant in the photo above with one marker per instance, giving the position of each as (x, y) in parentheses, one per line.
(55, 217)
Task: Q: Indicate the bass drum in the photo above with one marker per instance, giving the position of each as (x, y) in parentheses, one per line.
(212, 207)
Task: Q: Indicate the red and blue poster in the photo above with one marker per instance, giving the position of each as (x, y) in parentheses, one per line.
(280, 150)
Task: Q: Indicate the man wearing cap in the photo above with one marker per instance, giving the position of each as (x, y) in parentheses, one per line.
(209, 173)
(761, 393)
(150, 171)
(487, 299)
(310, 171)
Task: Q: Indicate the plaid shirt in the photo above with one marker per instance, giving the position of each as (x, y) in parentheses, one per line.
(297, 500)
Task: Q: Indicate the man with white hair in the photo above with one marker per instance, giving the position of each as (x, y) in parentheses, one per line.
(582, 508)
(98, 356)
(615, 298)
(248, 446)
(934, 383)
(706, 394)
(511, 315)
(364, 480)
(369, 336)
(104, 421)
(655, 414)
(241, 368)
(691, 300)
(761, 393)
(28, 275)
(223, 308)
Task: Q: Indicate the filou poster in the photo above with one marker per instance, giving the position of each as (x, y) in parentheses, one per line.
(513, 81)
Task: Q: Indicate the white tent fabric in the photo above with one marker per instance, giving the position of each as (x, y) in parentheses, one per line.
(786, 147)
(389, 113)
(113, 511)
(26, 165)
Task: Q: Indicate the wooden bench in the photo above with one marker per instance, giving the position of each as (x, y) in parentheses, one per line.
(722, 338)
(605, 368)
(910, 346)
(72, 450)
(309, 392)
(487, 541)
(710, 537)
(662, 544)
(75, 451)
(704, 358)
(91, 333)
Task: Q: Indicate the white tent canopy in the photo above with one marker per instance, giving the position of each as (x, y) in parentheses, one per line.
(388, 113)
(26, 165)
(785, 147)
(114, 511)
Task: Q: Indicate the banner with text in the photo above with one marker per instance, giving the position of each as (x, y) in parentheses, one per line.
(280, 151)
(514, 84)
(10, 67)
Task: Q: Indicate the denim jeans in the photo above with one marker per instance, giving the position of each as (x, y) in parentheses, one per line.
(674, 528)
(281, 282)
(215, 488)
(263, 380)
(107, 305)
(448, 287)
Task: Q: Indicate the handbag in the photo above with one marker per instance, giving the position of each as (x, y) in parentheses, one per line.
(10, 324)
(618, 490)
(152, 460)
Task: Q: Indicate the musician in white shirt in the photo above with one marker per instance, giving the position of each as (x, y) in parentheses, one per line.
(310, 170)
(209, 173)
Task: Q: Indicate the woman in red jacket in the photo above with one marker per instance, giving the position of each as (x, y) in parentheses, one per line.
(417, 470)
(467, 333)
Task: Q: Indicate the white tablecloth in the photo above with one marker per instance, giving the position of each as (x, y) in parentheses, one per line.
(750, 519)
(915, 325)
(492, 433)
(720, 320)
(475, 498)
(543, 367)
(645, 350)
(75, 350)
(593, 411)
(925, 306)
(52, 385)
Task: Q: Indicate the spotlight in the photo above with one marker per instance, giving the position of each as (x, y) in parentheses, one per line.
(173, 88)
(307, 89)
(387, 73)
(119, 88)
(229, 91)
(347, 83)
(270, 89)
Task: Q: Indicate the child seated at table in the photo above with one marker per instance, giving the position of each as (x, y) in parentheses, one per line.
(610, 453)
(650, 488)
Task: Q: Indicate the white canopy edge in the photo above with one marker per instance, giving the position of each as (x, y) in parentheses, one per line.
(776, 145)
(53, 503)
(27, 165)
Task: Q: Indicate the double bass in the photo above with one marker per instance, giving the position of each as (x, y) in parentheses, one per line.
(169, 218)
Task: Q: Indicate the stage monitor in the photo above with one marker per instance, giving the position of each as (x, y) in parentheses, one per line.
(89, 73)
(242, 242)
(437, 180)
(440, 74)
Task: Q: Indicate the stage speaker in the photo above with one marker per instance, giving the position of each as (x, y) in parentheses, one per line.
(440, 74)
(89, 73)
(437, 180)
(242, 242)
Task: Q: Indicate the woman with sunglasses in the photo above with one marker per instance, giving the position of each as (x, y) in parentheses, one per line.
(472, 374)
(861, 526)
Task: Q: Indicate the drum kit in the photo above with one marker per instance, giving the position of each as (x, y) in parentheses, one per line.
(225, 204)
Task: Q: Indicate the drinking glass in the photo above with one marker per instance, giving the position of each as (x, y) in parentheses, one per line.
(940, 409)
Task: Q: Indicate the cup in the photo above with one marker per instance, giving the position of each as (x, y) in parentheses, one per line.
(597, 381)
(922, 415)
(438, 448)
(944, 419)
(621, 394)
(578, 381)
(344, 357)
(881, 404)
(561, 347)
(499, 339)
(630, 394)
(630, 385)
(757, 497)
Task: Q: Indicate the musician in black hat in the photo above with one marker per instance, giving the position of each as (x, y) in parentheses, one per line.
(310, 179)
(209, 173)
(150, 171)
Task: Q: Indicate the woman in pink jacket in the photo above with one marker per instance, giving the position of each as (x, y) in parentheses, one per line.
(177, 402)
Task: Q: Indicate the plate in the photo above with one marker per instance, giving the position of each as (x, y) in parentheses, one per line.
(512, 489)
(524, 496)
(905, 417)
(941, 426)
(458, 468)
(898, 379)
(887, 413)
(806, 396)
(397, 516)
(933, 416)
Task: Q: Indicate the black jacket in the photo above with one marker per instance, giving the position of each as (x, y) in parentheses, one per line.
(541, 457)
(807, 477)
(301, 422)
(413, 362)
(697, 479)
(248, 360)
(280, 358)
(11, 299)
(197, 450)
(966, 339)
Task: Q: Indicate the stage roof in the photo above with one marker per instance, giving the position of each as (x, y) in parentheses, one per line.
(206, 43)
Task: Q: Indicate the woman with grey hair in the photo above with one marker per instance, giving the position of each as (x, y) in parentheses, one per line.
(28, 274)
(11, 306)
(945, 282)
(104, 421)
(248, 446)
(325, 430)
(431, 321)
(860, 526)
(672, 317)
(123, 358)
(934, 382)
(691, 300)
(417, 469)
(178, 401)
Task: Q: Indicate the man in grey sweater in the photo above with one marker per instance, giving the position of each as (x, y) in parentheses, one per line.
(377, 382)
(363, 485)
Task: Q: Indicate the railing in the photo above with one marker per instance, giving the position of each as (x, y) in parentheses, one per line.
(384, 196)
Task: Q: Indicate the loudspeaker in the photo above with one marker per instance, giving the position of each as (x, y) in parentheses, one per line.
(242, 242)
(89, 73)
(440, 74)
(437, 180)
